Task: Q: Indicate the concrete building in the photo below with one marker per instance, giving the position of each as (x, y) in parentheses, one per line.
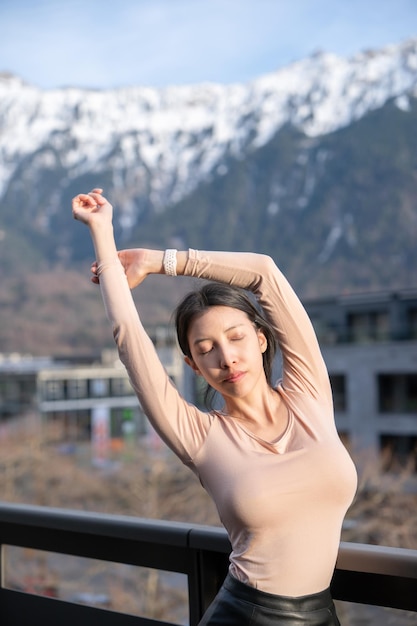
(76, 393)
(369, 343)
(18, 383)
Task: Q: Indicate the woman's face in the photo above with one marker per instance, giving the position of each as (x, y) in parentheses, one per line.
(226, 349)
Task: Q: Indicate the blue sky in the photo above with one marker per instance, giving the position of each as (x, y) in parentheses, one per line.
(105, 44)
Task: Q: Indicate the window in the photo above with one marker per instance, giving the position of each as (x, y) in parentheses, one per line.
(397, 393)
(54, 390)
(28, 390)
(398, 453)
(9, 389)
(338, 383)
(326, 332)
(368, 326)
(121, 387)
(412, 321)
(99, 387)
(77, 388)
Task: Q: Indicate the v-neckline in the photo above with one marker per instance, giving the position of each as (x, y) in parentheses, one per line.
(278, 444)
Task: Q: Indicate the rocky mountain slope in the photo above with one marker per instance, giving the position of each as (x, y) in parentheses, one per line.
(338, 212)
(314, 164)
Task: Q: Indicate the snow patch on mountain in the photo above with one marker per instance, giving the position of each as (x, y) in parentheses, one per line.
(167, 141)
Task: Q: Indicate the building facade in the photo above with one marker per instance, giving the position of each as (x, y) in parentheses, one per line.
(78, 397)
(369, 343)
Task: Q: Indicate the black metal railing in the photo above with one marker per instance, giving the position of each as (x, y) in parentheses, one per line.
(365, 574)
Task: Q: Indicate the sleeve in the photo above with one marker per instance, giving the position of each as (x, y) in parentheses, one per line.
(304, 369)
(181, 425)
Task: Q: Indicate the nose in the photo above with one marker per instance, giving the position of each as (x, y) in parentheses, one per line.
(227, 357)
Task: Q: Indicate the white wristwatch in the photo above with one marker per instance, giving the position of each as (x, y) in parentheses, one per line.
(170, 262)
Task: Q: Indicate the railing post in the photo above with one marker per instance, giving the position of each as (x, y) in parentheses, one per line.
(211, 562)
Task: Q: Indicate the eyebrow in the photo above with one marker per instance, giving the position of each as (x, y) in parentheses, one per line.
(227, 330)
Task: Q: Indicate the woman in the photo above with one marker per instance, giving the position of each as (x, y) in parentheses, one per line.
(270, 458)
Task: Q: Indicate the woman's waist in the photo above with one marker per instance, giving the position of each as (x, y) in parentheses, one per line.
(307, 602)
(295, 566)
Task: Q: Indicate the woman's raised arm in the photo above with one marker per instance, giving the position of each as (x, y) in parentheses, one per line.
(180, 424)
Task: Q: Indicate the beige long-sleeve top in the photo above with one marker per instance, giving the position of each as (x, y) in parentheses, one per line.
(283, 502)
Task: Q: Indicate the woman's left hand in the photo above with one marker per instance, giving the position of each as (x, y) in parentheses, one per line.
(138, 263)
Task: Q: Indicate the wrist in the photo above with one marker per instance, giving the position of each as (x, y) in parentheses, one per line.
(154, 261)
(102, 236)
(100, 226)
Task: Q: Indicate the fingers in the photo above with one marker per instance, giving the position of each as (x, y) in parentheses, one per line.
(89, 199)
(83, 199)
(96, 194)
(93, 269)
(97, 191)
(98, 199)
(94, 279)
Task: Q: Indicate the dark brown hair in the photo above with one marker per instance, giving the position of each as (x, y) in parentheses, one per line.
(222, 294)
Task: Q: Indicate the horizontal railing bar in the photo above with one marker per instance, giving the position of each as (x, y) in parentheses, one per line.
(24, 609)
(377, 560)
(210, 538)
(117, 526)
(172, 558)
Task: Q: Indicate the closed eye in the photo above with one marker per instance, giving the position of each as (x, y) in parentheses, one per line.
(203, 352)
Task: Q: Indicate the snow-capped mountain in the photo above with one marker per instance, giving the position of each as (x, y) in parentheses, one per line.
(155, 146)
(314, 164)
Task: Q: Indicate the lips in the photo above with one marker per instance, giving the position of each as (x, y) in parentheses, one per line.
(235, 377)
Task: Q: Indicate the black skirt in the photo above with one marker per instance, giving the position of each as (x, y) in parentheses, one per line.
(238, 604)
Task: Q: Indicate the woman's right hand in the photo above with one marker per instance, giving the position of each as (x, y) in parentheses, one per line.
(90, 208)
(138, 263)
